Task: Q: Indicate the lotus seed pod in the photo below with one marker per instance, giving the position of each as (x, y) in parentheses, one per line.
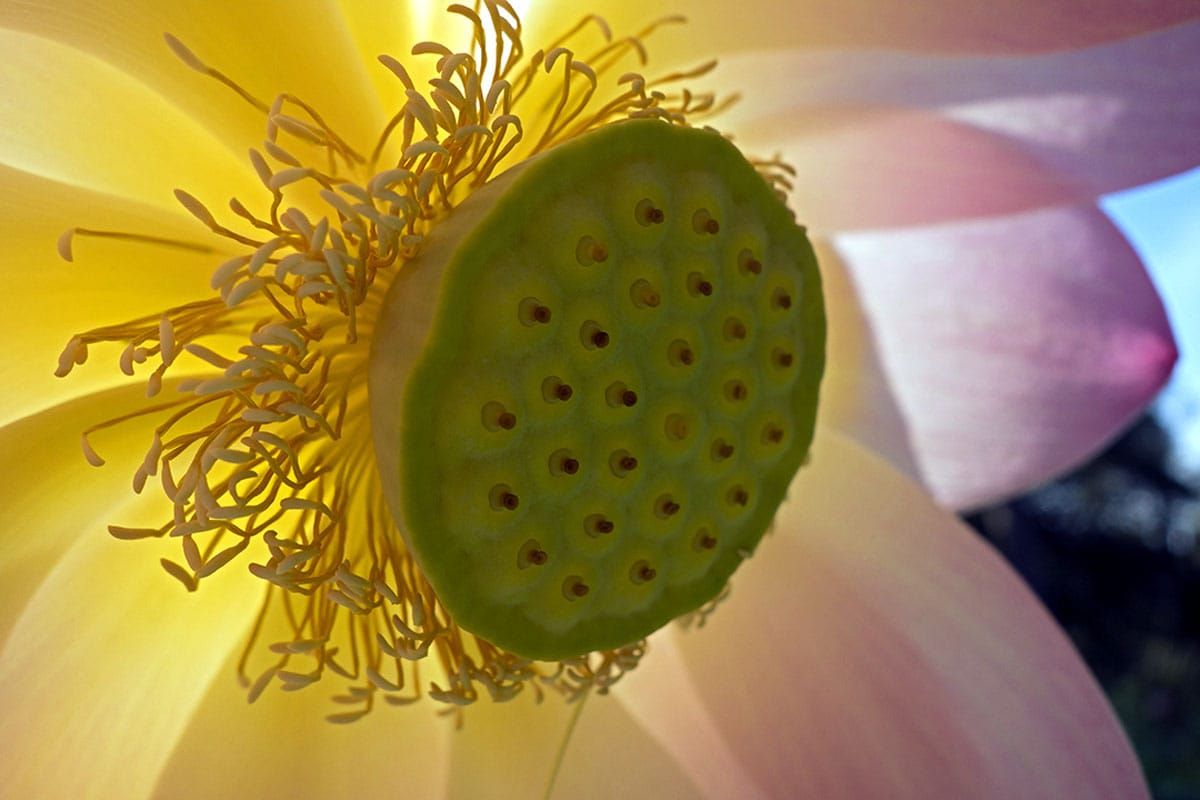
(591, 391)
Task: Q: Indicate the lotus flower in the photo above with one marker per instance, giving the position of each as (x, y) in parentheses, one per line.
(988, 328)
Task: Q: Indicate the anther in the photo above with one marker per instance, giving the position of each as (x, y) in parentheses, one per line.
(642, 572)
(622, 462)
(531, 554)
(589, 251)
(665, 506)
(736, 391)
(646, 213)
(782, 358)
(704, 540)
(554, 390)
(574, 588)
(563, 463)
(531, 312)
(704, 223)
(781, 299)
(734, 330)
(618, 395)
(593, 336)
(676, 427)
(643, 294)
(721, 450)
(680, 353)
(597, 525)
(502, 498)
(739, 496)
(698, 286)
(772, 434)
(748, 264)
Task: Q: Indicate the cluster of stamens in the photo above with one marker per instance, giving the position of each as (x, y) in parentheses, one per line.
(268, 442)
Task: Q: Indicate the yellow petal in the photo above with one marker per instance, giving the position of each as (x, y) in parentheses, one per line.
(522, 749)
(282, 747)
(106, 661)
(47, 300)
(70, 117)
(266, 47)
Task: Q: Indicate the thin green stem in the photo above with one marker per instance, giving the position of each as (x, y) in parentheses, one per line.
(562, 748)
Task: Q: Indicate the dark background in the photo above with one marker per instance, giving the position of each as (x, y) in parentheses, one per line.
(1112, 551)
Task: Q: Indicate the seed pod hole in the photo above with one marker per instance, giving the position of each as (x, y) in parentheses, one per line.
(531, 554)
(574, 588)
(618, 395)
(622, 462)
(665, 506)
(738, 496)
(721, 450)
(704, 540)
(677, 427)
(497, 418)
(502, 498)
(593, 336)
(563, 463)
(532, 312)
(646, 213)
(781, 300)
(772, 434)
(642, 572)
(555, 391)
(748, 264)
(734, 330)
(590, 251)
(596, 525)
(681, 354)
(782, 358)
(698, 285)
(704, 223)
(644, 295)
(736, 391)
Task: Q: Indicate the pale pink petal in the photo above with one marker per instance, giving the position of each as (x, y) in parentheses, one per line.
(876, 647)
(945, 26)
(884, 139)
(1011, 348)
(301, 48)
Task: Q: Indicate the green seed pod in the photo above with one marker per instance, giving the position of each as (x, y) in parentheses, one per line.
(590, 393)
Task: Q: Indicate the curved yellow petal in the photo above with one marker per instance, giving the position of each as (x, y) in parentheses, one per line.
(70, 117)
(47, 300)
(43, 466)
(266, 47)
(107, 659)
(281, 746)
(589, 748)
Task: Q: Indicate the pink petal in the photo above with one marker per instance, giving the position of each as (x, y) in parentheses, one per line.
(1011, 349)
(876, 647)
(885, 139)
(944, 26)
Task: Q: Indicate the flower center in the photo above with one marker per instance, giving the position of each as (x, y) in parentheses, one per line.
(571, 466)
(593, 376)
